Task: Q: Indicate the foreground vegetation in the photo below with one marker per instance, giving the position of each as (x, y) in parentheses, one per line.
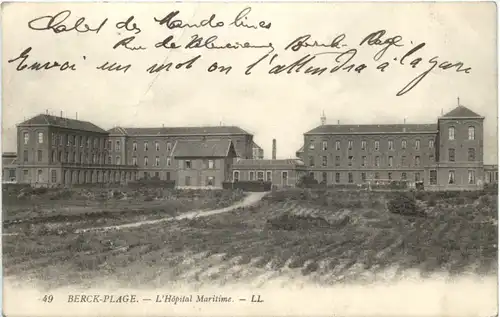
(320, 236)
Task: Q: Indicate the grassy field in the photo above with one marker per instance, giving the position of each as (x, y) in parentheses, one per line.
(318, 237)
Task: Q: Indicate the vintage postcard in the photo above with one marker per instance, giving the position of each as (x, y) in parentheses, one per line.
(249, 159)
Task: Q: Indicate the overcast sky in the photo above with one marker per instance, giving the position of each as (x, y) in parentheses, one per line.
(270, 106)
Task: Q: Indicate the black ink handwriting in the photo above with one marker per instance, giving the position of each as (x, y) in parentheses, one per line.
(209, 43)
(301, 41)
(375, 38)
(56, 24)
(240, 19)
(129, 25)
(167, 44)
(37, 66)
(125, 43)
(173, 24)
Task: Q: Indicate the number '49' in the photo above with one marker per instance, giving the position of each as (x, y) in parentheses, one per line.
(48, 298)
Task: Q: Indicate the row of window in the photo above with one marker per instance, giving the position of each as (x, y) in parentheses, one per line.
(259, 176)
(403, 177)
(471, 154)
(365, 161)
(471, 133)
(376, 145)
(146, 146)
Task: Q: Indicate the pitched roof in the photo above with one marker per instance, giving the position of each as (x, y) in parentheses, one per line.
(178, 130)
(268, 164)
(300, 150)
(207, 148)
(374, 128)
(461, 112)
(49, 120)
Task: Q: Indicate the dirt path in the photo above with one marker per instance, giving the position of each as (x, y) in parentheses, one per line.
(250, 199)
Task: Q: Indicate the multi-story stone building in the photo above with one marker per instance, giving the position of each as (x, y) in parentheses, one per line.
(446, 155)
(150, 149)
(9, 166)
(56, 150)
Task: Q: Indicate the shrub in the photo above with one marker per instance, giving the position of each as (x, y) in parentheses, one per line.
(403, 205)
(296, 222)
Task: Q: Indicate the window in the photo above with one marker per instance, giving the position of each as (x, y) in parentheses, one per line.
(134, 146)
(311, 145)
(169, 146)
(109, 160)
(389, 176)
(363, 161)
(324, 178)
(325, 161)
(431, 158)
(472, 177)
(74, 157)
(417, 177)
(377, 161)
(417, 145)
(117, 146)
(325, 145)
(96, 143)
(145, 146)
(471, 154)
(451, 155)
(134, 160)
(350, 178)
(403, 176)
(188, 181)
(236, 176)
(337, 160)
(68, 141)
(337, 145)
(403, 160)
(391, 145)
(417, 161)
(26, 137)
(451, 177)
(403, 144)
(337, 177)
(284, 178)
(251, 175)
(54, 156)
(431, 144)
(349, 145)
(39, 155)
(53, 176)
(451, 133)
(210, 180)
(472, 133)
(110, 145)
(67, 157)
(146, 161)
(433, 177)
(211, 164)
(311, 160)
(88, 143)
(351, 159)
(39, 176)
(118, 160)
(377, 175)
(260, 176)
(377, 145)
(363, 177)
(169, 161)
(40, 137)
(25, 175)
(188, 164)
(363, 145)
(25, 156)
(390, 161)
(157, 146)
(157, 161)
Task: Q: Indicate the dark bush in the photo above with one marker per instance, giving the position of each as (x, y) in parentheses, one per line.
(403, 205)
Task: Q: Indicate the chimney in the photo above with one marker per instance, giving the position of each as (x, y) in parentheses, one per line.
(46, 111)
(61, 114)
(338, 121)
(76, 116)
(274, 149)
